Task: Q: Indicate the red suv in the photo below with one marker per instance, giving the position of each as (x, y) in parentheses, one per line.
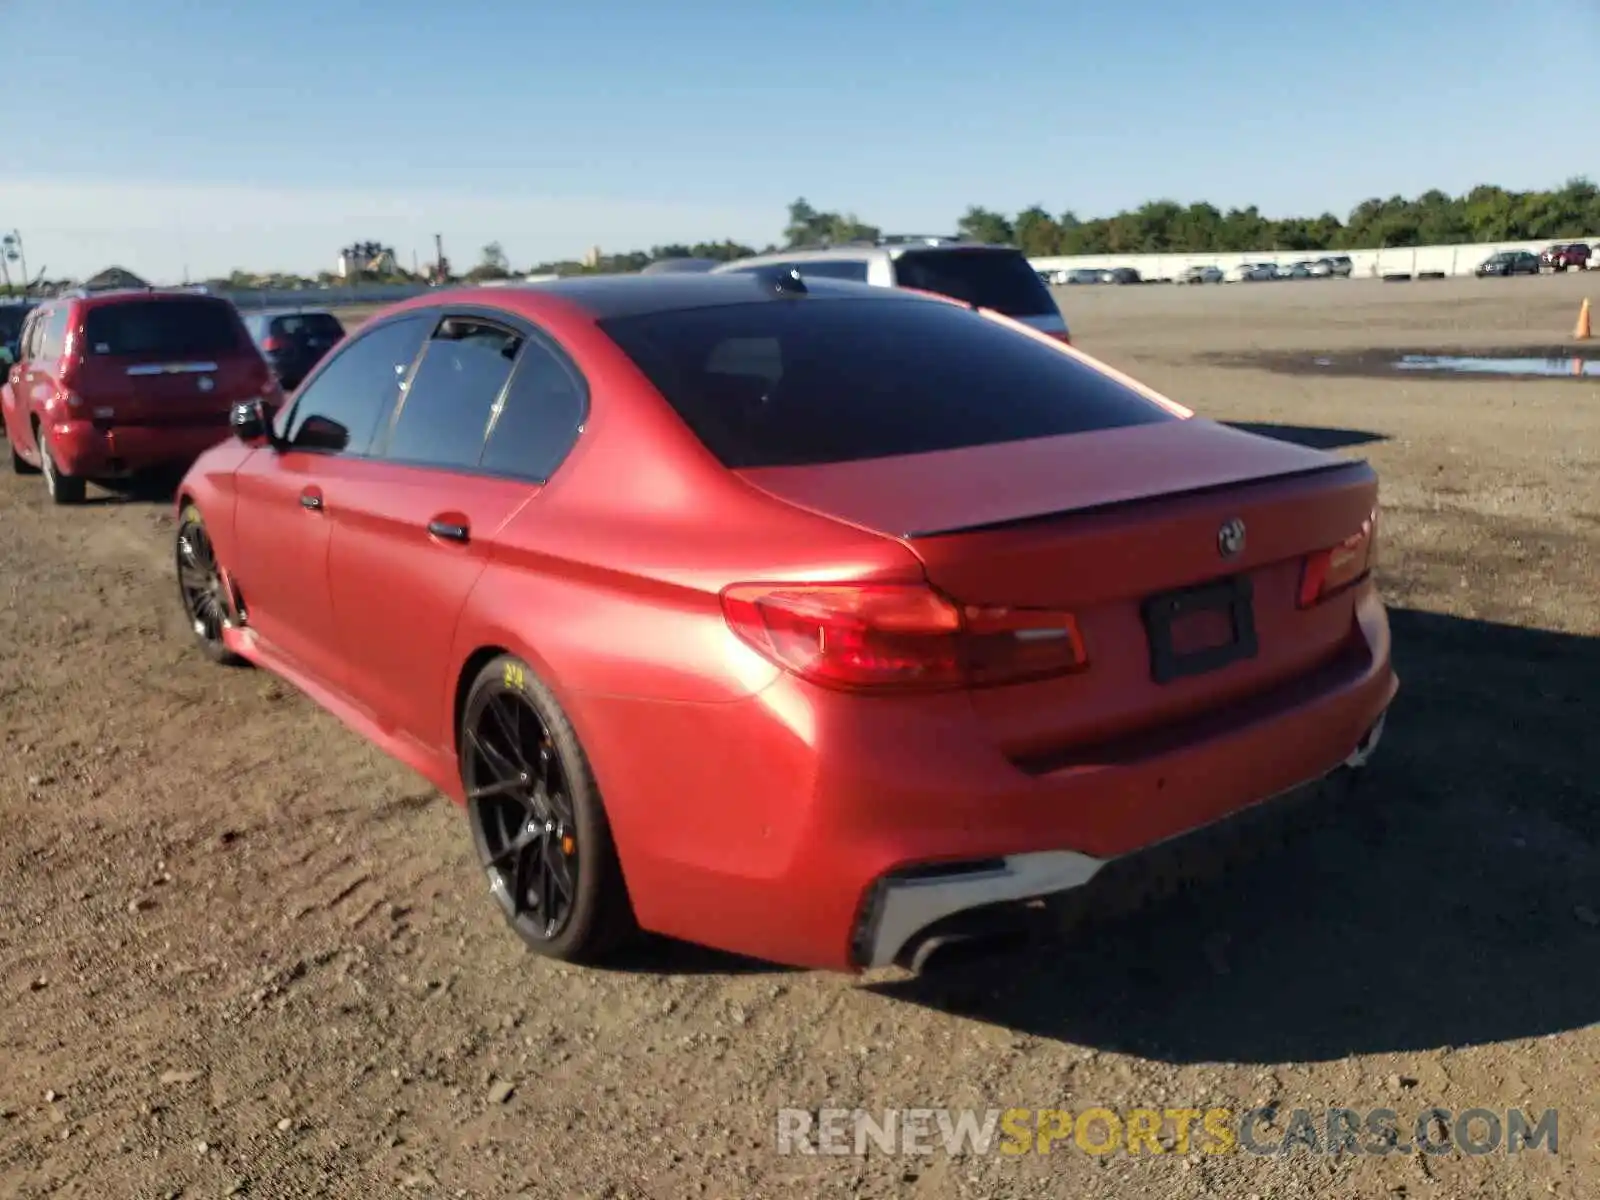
(115, 384)
(1563, 255)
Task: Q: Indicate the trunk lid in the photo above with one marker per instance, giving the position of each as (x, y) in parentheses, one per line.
(1103, 524)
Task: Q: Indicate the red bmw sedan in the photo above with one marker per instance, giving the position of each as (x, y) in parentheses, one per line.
(797, 618)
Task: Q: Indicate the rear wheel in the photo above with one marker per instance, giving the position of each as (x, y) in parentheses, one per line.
(202, 588)
(63, 489)
(537, 820)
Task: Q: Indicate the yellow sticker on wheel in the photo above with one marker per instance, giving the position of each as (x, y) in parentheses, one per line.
(515, 677)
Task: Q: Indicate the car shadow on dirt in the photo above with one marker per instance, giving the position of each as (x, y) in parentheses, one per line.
(1472, 920)
(1315, 437)
(155, 489)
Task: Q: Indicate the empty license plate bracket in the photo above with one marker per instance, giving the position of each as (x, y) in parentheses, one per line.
(1228, 603)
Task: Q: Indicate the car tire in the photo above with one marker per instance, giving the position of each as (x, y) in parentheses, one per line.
(202, 588)
(537, 818)
(20, 465)
(62, 489)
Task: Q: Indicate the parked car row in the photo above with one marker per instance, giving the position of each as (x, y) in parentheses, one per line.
(1330, 266)
(761, 609)
(1562, 256)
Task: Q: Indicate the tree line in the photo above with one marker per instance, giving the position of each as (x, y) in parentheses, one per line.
(1485, 214)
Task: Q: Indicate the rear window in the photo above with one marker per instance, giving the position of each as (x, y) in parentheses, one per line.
(168, 328)
(999, 279)
(304, 326)
(791, 383)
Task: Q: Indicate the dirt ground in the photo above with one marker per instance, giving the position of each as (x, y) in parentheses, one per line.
(241, 953)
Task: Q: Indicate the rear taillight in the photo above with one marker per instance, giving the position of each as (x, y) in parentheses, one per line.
(272, 345)
(1329, 572)
(897, 637)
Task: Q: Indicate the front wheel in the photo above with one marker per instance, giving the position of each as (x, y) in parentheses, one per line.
(538, 823)
(20, 465)
(63, 489)
(202, 588)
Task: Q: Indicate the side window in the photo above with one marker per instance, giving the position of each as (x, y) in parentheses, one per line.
(537, 419)
(833, 268)
(339, 411)
(446, 410)
(53, 343)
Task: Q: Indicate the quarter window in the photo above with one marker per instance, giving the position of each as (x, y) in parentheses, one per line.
(453, 394)
(339, 411)
(53, 342)
(537, 419)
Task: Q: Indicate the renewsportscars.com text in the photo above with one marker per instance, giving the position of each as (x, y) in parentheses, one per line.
(1154, 1131)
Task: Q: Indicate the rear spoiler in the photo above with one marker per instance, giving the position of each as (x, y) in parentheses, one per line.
(1090, 510)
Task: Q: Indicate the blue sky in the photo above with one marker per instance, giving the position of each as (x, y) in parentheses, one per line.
(164, 134)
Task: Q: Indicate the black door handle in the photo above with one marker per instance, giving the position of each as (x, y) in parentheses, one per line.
(310, 500)
(448, 531)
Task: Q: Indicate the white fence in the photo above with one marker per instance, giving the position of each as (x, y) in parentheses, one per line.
(1366, 264)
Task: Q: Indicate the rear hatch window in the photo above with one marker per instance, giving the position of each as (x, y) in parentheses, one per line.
(818, 381)
(165, 329)
(1002, 280)
(318, 329)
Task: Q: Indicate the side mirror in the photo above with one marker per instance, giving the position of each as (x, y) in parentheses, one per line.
(249, 422)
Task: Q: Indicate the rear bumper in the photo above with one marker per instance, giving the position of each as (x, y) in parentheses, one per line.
(822, 830)
(907, 916)
(81, 448)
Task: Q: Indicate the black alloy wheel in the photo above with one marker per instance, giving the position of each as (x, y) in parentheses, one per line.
(537, 822)
(202, 588)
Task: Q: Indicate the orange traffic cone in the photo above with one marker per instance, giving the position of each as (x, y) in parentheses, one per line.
(1581, 333)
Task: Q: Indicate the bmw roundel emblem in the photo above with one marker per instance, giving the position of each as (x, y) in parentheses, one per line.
(1230, 538)
(206, 384)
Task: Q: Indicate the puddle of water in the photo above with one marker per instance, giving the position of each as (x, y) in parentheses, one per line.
(1468, 365)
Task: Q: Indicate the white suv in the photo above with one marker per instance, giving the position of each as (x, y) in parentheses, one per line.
(993, 277)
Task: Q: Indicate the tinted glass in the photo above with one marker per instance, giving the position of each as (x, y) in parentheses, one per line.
(170, 328)
(445, 413)
(538, 418)
(309, 327)
(339, 410)
(779, 384)
(998, 279)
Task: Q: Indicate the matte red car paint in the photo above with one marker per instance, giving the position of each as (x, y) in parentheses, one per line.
(752, 809)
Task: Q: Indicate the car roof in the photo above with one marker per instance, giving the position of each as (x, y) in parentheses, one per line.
(890, 248)
(113, 296)
(606, 297)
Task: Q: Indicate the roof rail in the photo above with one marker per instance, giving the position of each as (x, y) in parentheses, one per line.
(886, 239)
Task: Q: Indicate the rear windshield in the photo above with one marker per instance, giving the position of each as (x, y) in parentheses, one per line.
(999, 279)
(790, 383)
(161, 327)
(308, 325)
